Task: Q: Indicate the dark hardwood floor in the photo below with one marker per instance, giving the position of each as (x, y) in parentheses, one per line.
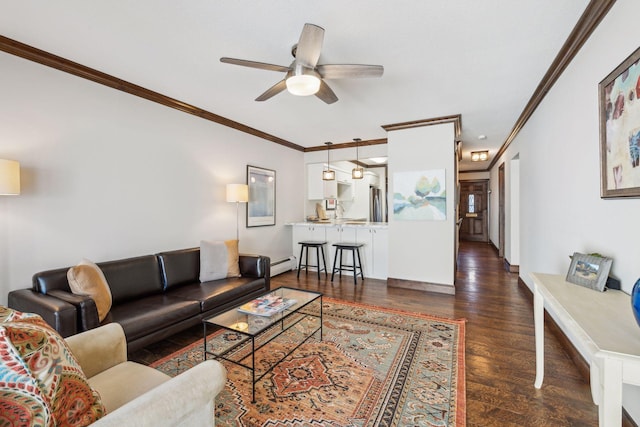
(500, 350)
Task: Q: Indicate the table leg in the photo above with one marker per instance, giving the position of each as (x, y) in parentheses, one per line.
(610, 408)
(538, 317)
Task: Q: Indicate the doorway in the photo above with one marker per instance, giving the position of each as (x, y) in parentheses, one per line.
(473, 210)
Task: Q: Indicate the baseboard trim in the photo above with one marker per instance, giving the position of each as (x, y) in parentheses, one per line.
(421, 286)
(511, 268)
(572, 352)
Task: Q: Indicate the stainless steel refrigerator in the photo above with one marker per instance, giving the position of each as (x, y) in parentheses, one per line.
(375, 204)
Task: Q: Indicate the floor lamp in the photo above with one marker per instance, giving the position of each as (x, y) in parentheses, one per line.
(238, 193)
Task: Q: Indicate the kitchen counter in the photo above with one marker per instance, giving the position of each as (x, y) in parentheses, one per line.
(373, 236)
(342, 223)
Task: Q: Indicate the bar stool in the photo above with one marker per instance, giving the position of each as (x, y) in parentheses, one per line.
(357, 262)
(319, 249)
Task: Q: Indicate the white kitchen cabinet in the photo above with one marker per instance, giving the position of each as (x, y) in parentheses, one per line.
(309, 233)
(335, 234)
(374, 253)
(315, 184)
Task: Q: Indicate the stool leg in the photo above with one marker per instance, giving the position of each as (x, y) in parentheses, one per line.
(318, 260)
(306, 262)
(355, 268)
(300, 261)
(340, 272)
(335, 260)
(324, 261)
(360, 263)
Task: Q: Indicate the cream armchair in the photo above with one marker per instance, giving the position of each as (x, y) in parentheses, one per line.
(137, 395)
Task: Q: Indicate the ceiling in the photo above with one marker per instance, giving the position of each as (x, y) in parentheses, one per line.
(482, 59)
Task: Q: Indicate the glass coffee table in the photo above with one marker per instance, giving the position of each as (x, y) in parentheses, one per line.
(268, 338)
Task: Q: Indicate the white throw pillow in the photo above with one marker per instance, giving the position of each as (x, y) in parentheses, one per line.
(218, 260)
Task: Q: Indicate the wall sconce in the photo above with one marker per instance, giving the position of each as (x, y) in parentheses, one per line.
(479, 156)
(238, 193)
(328, 174)
(9, 177)
(357, 172)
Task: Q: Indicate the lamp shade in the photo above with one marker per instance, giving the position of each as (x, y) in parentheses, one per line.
(9, 177)
(237, 193)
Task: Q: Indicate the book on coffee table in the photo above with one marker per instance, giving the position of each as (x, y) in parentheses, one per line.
(267, 305)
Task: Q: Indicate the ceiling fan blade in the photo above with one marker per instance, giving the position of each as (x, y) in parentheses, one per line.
(349, 71)
(273, 90)
(254, 64)
(326, 94)
(309, 45)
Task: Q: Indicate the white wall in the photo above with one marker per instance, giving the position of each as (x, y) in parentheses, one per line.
(561, 210)
(107, 175)
(423, 251)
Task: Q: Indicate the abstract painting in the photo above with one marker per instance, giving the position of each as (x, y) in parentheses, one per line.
(420, 196)
(261, 209)
(620, 130)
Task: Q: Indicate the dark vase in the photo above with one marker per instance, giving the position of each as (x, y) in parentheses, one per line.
(635, 301)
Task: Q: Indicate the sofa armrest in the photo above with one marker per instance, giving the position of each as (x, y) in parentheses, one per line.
(255, 266)
(185, 400)
(86, 309)
(61, 315)
(99, 349)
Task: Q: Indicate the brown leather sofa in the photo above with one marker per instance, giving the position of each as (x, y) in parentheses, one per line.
(154, 296)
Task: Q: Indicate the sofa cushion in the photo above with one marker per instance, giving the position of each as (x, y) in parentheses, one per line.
(41, 383)
(179, 267)
(218, 260)
(144, 316)
(86, 278)
(132, 278)
(217, 293)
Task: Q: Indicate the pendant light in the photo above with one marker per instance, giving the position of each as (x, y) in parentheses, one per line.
(328, 174)
(357, 172)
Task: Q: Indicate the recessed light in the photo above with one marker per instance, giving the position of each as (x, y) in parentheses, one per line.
(482, 137)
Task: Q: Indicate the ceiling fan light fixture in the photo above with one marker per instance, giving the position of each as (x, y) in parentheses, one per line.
(303, 84)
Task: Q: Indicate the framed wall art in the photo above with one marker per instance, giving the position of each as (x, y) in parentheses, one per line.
(590, 271)
(420, 195)
(261, 208)
(619, 101)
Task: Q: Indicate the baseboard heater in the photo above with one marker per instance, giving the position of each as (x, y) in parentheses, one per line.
(282, 265)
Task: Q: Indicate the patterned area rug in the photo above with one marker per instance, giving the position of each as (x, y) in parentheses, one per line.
(373, 367)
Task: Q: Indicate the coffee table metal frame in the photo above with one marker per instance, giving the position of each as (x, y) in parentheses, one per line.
(238, 322)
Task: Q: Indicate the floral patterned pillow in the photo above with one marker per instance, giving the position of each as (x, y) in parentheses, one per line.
(41, 382)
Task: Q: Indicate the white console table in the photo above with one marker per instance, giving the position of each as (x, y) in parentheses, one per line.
(602, 327)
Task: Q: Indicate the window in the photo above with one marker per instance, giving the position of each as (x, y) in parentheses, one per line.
(472, 204)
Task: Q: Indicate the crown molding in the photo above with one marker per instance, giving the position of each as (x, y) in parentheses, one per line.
(456, 119)
(336, 146)
(31, 53)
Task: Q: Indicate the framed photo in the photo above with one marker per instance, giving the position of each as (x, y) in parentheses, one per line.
(619, 101)
(261, 208)
(331, 204)
(590, 271)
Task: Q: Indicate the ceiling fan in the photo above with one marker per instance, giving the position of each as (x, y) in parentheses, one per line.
(305, 76)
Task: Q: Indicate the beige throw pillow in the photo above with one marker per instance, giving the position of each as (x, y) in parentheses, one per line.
(218, 260)
(86, 278)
